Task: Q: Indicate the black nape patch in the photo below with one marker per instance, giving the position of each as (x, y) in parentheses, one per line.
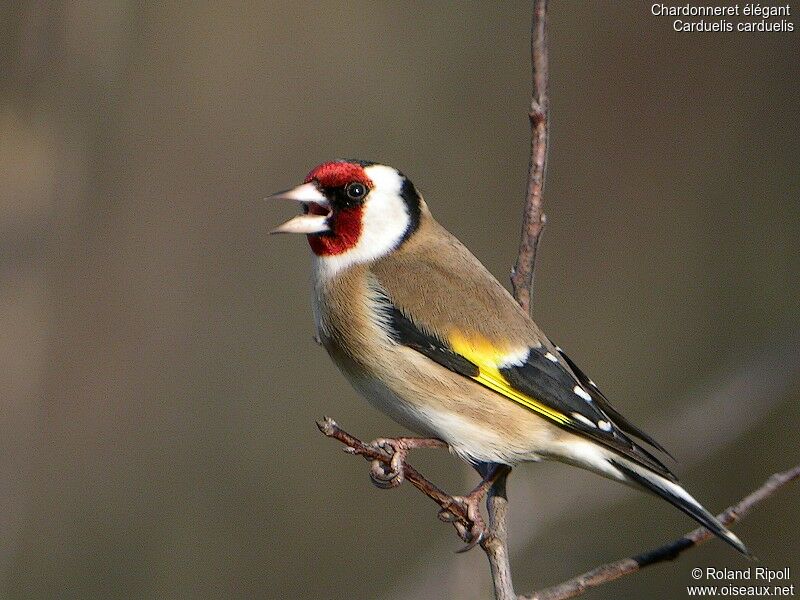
(413, 205)
(406, 333)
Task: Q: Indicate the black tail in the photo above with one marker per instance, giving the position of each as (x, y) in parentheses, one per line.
(680, 498)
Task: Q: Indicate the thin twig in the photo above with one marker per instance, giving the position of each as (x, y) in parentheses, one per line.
(627, 566)
(533, 218)
(452, 511)
(496, 545)
(713, 415)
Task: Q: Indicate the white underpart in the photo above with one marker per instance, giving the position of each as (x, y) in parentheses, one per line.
(484, 444)
(587, 455)
(582, 393)
(384, 222)
(468, 438)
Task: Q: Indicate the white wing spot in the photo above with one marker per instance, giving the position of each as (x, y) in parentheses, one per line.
(579, 391)
(592, 383)
(604, 425)
(515, 358)
(583, 419)
(551, 357)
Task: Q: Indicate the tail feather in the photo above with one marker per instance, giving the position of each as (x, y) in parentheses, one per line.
(680, 498)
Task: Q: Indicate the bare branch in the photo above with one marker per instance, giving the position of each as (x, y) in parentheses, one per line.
(496, 546)
(533, 218)
(728, 406)
(611, 571)
(389, 465)
(389, 469)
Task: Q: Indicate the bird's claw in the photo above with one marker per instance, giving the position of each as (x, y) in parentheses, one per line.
(477, 538)
(448, 516)
(462, 511)
(467, 520)
(387, 476)
(383, 476)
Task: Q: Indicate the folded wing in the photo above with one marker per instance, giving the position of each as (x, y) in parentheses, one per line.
(540, 378)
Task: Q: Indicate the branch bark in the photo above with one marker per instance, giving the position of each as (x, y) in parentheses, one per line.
(533, 221)
(533, 218)
(496, 546)
(734, 402)
(388, 471)
(495, 542)
(627, 566)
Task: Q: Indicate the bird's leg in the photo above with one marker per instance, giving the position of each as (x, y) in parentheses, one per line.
(388, 476)
(388, 454)
(470, 505)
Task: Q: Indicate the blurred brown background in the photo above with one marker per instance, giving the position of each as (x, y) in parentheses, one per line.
(159, 382)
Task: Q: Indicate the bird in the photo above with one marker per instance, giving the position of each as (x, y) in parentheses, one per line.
(428, 335)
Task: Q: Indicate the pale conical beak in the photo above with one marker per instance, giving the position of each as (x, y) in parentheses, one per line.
(311, 222)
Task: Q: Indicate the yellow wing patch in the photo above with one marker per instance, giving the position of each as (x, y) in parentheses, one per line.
(487, 357)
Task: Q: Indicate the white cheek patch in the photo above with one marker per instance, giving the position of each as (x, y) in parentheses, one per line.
(384, 222)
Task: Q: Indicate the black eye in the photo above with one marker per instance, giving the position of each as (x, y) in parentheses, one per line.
(355, 190)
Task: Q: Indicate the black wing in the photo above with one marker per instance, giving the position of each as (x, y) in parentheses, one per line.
(540, 382)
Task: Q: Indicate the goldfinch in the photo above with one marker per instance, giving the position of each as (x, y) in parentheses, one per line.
(422, 329)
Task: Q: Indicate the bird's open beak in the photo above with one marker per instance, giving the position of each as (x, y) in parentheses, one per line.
(315, 205)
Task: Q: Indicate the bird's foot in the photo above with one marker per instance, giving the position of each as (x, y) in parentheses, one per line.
(464, 512)
(388, 475)
(467, 518)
